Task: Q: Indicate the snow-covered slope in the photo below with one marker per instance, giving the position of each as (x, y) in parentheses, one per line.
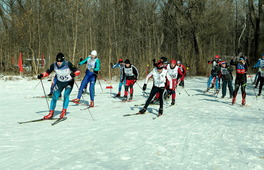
(199, 132)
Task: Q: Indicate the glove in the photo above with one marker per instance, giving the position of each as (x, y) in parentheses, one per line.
(40, 76)
(135, 81)
(169, 91)
(111, 64)
(81, 59)
(144, 87)
(72, 74)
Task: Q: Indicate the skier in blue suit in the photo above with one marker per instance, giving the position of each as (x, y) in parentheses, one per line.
(93, 66)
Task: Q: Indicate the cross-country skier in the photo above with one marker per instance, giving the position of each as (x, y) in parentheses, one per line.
(65, 73)
(241, 78)
(215, 71)
(164, 62)
(160, 74)
(174, 71)
(258, 65)
(181, 77)
(130, 74)
(227, 78)
(119, 65)
(93, 66)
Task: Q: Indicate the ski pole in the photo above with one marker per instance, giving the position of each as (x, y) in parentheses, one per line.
(103, 79)
(100, 85)
(83, 99)
(36, 86)
(90, 114)
(186, 92)
(78, 88)
(44, 93)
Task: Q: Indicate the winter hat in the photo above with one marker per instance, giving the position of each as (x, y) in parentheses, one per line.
(178, 62)
(164, 59)
(173, 62)
(127, 61)
(241, 58)
(60, 57)
(120, 60)
(94, 52)
(217, 56)
(223, 62)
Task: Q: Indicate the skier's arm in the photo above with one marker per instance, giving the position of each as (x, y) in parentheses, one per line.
(47, 73)
(257, 64)
(233, 62)
(169, 79)
(135, 72)
(148, 76)
(97, 65)
(116, 65)
(84, 61)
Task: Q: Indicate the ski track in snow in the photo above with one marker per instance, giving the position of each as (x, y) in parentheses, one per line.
(199, 132)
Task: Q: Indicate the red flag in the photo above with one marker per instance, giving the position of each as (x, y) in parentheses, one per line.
(20, 64)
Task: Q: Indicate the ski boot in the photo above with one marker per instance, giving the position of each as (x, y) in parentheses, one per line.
(173, 102)
(50, 95)
(124, 98)
(50, 115)
(233, 100)
(131, 97)
(76, 100)
(243, 101)
(117, 95)
(91, 104)
(160, 112)
(207, 90)
(142, 111)
(63, 113)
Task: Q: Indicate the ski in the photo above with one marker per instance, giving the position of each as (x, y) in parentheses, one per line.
(241, 105)
(58, 121)
(156, 117)
(36, 120)
(123, 101)
(87, 108)
(80, 103)
(144, 104)
(42, 97)
(133, 114)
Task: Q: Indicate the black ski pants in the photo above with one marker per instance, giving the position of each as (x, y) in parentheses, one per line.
(153, 91)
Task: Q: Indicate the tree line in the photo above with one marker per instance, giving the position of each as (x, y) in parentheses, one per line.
(193, 31)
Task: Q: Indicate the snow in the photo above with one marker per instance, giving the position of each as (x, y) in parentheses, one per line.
(199, 132)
